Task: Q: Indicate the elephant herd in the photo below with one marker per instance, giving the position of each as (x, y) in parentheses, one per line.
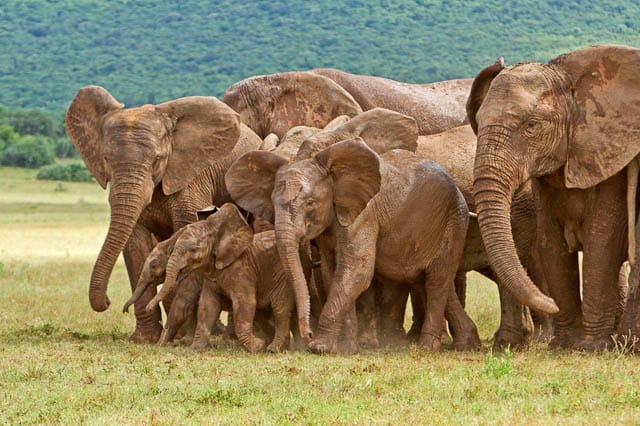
(319, 203)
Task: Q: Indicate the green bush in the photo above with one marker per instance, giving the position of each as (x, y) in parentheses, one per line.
(64, 148)
(72, 172)
(29, 151)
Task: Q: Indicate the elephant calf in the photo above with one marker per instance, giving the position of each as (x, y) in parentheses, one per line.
(224, 255)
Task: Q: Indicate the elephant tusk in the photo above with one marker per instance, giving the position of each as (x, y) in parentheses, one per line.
(473, 215)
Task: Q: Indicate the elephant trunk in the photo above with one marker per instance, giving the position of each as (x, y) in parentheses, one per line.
(496, 177)
(143, 283)
(289, 250)
(176, 263)
(127, 200)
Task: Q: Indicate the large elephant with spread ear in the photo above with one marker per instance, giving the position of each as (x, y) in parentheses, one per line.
(162, 163)
(275, 103)
(369, 214)
(571, 126)
(436, 107)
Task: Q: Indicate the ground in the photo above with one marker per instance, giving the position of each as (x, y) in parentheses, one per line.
(60, 362)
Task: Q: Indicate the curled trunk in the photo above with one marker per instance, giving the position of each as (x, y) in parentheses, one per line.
(495, 181)
(288, 249)
(127, 202)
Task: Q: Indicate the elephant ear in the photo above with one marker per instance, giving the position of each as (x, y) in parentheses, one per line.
(355, 170)
(234, 235)
(275, 103)
(605, 81)
(250, 181)
(479, 90)
(383, 130)
(205, 130)
(83, 120)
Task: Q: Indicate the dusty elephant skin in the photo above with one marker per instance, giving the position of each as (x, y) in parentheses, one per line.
(276, 103)
(455, 150)
(571, 126)
(436, 107)
(232, 263)
(163, 163)
(354, 203)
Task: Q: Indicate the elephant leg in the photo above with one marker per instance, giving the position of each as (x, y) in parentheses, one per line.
(604, 252)
(392, 307)
(244, 311)
(183, 304)
(282, 308)
(561, 272)
(463, 329)
(417, 316)
(367, 319)
(438, 284)
(148, 324)
(209, 308)
(542, 323)
(184, 310)
(353, 275)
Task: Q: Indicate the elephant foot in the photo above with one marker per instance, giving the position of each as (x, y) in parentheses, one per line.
(515, 342)
(146, 335)
(395, 338)
(430, 343)
(200, 345)
(446, 338)
(277, 347)
(469, 342)
(255, 344)
(219, 329)
(594, 344)
(565, 339)
(323, 346)
(368, 340)
(164, 338)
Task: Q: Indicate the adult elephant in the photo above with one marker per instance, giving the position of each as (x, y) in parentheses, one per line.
(436, 107)
(571, 126)
(275, 103)
(455, 150)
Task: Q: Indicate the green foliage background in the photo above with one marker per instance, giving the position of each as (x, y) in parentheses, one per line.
(151, 51)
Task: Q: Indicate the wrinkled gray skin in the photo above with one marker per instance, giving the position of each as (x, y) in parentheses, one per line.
(163, 163)
(327, 198)
(571, 126)
(455, 150)
(436, 107)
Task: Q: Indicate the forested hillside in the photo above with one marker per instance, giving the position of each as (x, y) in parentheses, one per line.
(151, 51)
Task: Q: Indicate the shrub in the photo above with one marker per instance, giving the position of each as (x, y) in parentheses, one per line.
(72, 172)
(29, 151)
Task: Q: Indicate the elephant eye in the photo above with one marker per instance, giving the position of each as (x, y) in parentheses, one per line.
(532, 127)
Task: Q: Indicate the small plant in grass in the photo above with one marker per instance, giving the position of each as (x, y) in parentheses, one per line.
(498, 366)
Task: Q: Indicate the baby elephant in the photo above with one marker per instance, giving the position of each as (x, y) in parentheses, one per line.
(232, 263)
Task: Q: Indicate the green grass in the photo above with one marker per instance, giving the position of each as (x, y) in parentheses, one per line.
(60, 362)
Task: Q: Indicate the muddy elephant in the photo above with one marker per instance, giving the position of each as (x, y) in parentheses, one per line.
(236, 265)
(572, 127)
(275, 103)
(436, 107)
(455, 150)
(369, 214)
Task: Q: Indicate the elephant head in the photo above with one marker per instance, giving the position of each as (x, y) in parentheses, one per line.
(577, 115)
(275, 103)
(136, 149)
(220, 238)
(154, 268)
(334, 177)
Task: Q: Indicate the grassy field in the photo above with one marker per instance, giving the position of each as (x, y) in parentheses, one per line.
(60, 362)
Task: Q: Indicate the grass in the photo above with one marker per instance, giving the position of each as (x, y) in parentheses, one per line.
(60, 362)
